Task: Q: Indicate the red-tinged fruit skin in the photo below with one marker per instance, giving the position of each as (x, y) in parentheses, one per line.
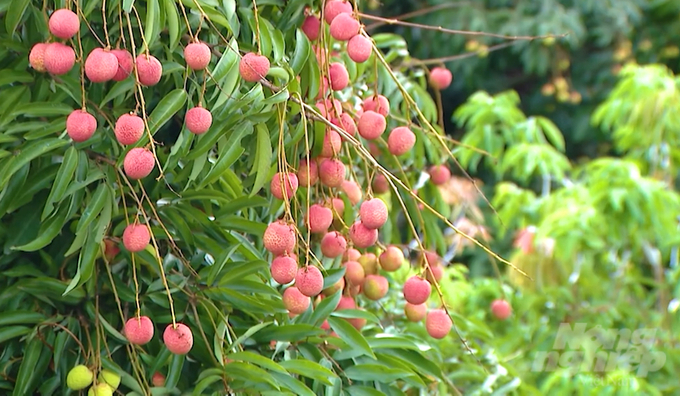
(283, 269)
(359, 48)
(332, 144)
(279, 238)
(37, 56)
(338, 75)
(371, 125)
(198, 120)
(309, 281)
(58, 58)
(139, 331)
(178, 340)
(158, 380)
(64, 23)
(417, 290)
(136, 237)
(346, 302)
(334, 8)
(362, 236)
(351, 255)
(379, 104)
(197, 55)
(333, 244)
(501, 309)
(370, 263)
(331, 172)
(415, 313)
(375, 287)
(101, 65)
(80, 125)
(319, 218)
(311, 27)
(295, 302)
(358, 323)
(380, 184)
(284, 182)
(125, 64)
(373, 213)
(391, 259)
(338, 206)
(129, 129)
(308, 173)
(400, 141)
(111, 250)
(438, 323)
(437, 270)
(138, 163)
(354, 273)
(253, 67)
(149, 70)
(344, 27)
(439, 174)
(347, 123)
(325, 325)
(352, 190)
(440, 78)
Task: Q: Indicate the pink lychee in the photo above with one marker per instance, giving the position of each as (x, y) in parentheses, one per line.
(279, 238)
(437, 271)
(139, 330)
(373, 213)
(64, 23)
(331, 172)
(352, 190)
(334, 8)
(346, 302)
(294, 301)
(281, 181)
(347, 123)
(36, 58)
(319, 218)
(362, 236)
(309, 281)
(311, 27)
(438, 323)
(198, 120)
(138, 163)
(178, 340)
(371, 125)
(351, 255)
(197, 55)
(415, 313)
(439, 174)
(354, 273)
(440, 77)
(308, 173)
(283, 269)
(338, 75)
(253, 67)
(359, 48)
(391, 259)
(80, 125)
(501, 309)
(158, 380)
(149, 70)
(375, 287)
(129, 129)
(333, 244)
(125, 64)
(332, 144)
(377, 103)
(101, 65)
(136, 237)
(400, 141)
(417, 290)
(344, 27)
(380, 184)
(58, 58)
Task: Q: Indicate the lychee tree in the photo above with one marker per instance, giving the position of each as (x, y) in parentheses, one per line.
(202, 197)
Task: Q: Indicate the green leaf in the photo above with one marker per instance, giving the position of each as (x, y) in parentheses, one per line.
(42, 109)
(29, 362)
(375, 372)
(20, 317)
(14, 14)
(325, 308)
(263, 158)
(350, 335)
(31, 151)
(261, 361)
(303, 49)
(172, 20)
(151, 27)
(309, 369)
(251, 331)
(127, 5)
(9, 332)
(100, 197)
(360, 390)
(64, 176)
(166, 108)
(86, 261)
(291, 332)
(14, 76)
(48, 231)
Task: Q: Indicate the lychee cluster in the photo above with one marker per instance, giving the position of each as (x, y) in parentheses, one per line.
(80, 377)
(177, 338)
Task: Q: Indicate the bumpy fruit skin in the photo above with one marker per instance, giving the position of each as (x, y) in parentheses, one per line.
(332, 144)
(362, 236)
(102, 389)
(333, 244)
(149, 70)
(309, 281)
(139, 331)
(346, 302)
(379, 104)
(36, 57)
(80, 377)
(64, 23)
(359, 48)
(279, 238)
(370, 263)
(334, 8)
(347, 123)
(391, 259)
(417, 290)
(439, 174)
(401, 141)
(197, 55)
(311, 27)
(338, 206)
(375, 287)
(501, 309)
(371, 125)
(58, 58)
(344, 27)
(138, 163)
(80, 125)
(319, 218)
(415, 313)
(380, 184)
(338, 75)
(253, 67)
(283, 269)
(178, 340)
(158, 379)
(294, 301)
(354, 273)
(331, 172)
(281, 181)
(129, 129)
(198, 120)
(351, 255)
(440, 77)
(329, 108)
(438, 323)
(373, 213)
(308, 173)
(125, 64)
(136, 237)
(352, 190)
(101, 65)
(110, 378)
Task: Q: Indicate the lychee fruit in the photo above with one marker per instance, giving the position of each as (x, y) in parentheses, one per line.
(354, 273)
(294, 301)
(319, 218)
(362, 236)
(440, 77)
(158, 379)
(136, 237)
(79, 377)
(438, 323)
(110, 378)
(375, 287)
(101, 65)
(347, 123)
(338, 206)
(437, 271)
(111, 250)
(138, 163)
(351, 255)
(359, 48)
(377, 103)
(36, 57)
(334, 8)
(332, 289)
(373, 213)
(325, 325)
(431, 257)
(129, 129)
(346, 302)
(149, 70)
(309, 281)
(283, 269)
(400, 141)
(64, 23)
(279, 238)
(198, 120)
(354, 290)
(352, 190)
(178, 340)
(358, 323)
(331, 172)
(80, 125)
(58, 58)
(333, 244)
(101, 389)
(139, 330)
(380, 184)
(332, 144)
(338, 75)
(415, 313)
(281, 181)
(344, 27)
(370, 263)
(439, 174)
(501, 309)
(371, 125)
(197, 55)
(311, 27)
(391, 259)
(125, 64)
(308, 173)
(417, 290)
(253, 67)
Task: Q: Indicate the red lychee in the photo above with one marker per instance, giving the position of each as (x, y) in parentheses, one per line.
(375, 287)
(283, 269)
(332, 144)
(279, 238)
(294, 301)
(415, 313)
(178, 340)
(338, 75)
(80, 125)
(139, 330)
(352, 190)
(253, 67)
(325, 325)
(362, 236)
(437, 270)
(358, 323)
(125, 64)
(438, 323)
(158, 380)
(431, 257)
(58, 58)
(149, 70)
(329, 108)
(101, 65)
(373, 213)
(309, 281)
(391, 259)
(138, 163)
(351, 255)
(281, 181)
(333, 244)
(334, 8)
(344, 27)
(111, 250)
(319, 218)
(439, 174)
(354, 273)
(417, 290)
(129, 129)
(198, 120)
(400, 141)
(380, 184)
(197, 55)
(371, 125)
(347, 123)
(359, 48)
(36, 57)
(440, 78)
(377, 103)
(338, 206)
(136, 237)
(501, 309)
(346, 302)
(331, 172)
(308, 173)
(311, 27)
(64, 23)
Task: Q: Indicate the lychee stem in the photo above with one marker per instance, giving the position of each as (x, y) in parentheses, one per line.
(257, 28)
(106, 29)
(186, 20)
(82, 17)
(83, 98)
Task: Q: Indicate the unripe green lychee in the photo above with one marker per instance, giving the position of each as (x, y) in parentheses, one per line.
(332, 289)
(415, 313)
(370, 263)
(110, 378)
(80, 377)
(375, 287)
(101, 389)
(391, 259)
